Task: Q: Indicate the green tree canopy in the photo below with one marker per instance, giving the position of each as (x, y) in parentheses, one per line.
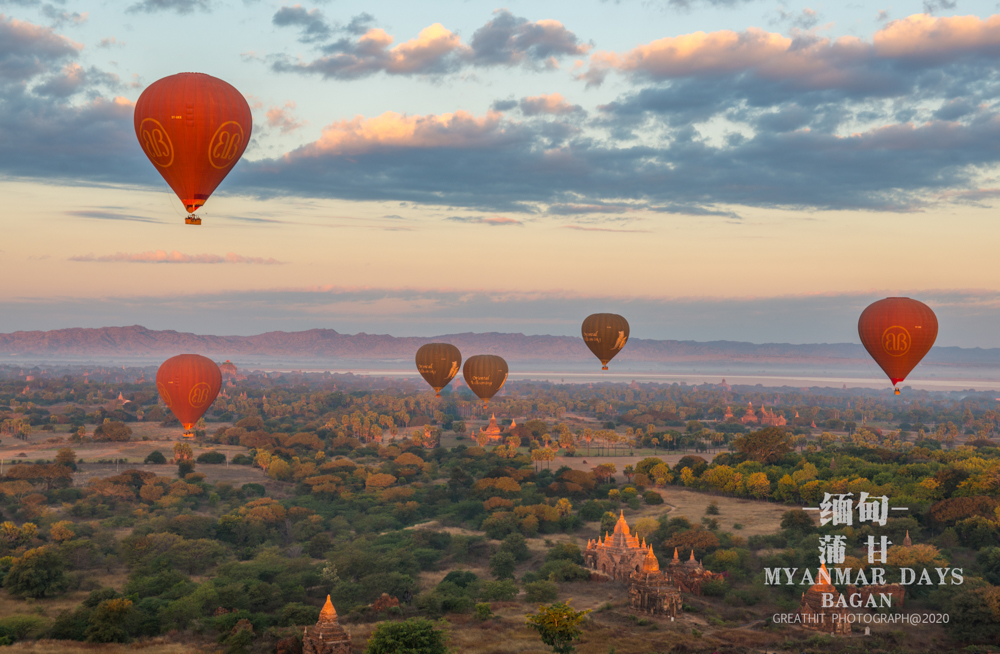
(413, 636)
(558, 625)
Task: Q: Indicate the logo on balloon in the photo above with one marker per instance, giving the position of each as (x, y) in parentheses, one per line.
(896, 341)
(164, 394)
(226, 144)
(200, 395)
(156, 142)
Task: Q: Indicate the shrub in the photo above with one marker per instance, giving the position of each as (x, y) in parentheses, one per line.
(541, 591)
(483, 611)
(407, 637)
(652, 497)
(212, 457)
(499, 591)
(155, 457)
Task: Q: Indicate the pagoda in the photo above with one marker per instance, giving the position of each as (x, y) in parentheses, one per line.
(690, 575)
(832, 619)
(492, 431)
(651, 591)
(326, 636)
(616, 555)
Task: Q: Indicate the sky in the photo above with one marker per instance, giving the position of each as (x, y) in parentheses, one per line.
(744, 170)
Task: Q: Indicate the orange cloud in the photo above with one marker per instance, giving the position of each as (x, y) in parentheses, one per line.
(457, 130)
(281, 118)
(433, 44)
(554, 104)
(922, 36)
(814, 62)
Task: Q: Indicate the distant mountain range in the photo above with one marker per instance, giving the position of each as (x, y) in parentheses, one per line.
(137, 342)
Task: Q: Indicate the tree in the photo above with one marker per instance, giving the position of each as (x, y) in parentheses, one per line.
(183, 452)
(413, 636)
(989, 561)
(558, 625)
(66, 457)
(39, 573)
(768, 445)
(975, 614)
(113, 430)
(112, 621)
(155, 457)
(502, 565)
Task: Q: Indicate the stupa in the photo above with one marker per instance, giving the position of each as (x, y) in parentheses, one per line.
(326, 636)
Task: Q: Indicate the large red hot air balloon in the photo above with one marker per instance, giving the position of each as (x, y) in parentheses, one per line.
(188, 384)
(194, 128)
(897, 332)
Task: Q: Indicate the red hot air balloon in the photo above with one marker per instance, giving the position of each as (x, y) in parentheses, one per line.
(897, 332)
(188, 384)
(194, 128)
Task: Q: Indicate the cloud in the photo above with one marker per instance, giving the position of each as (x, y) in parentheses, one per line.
(27, 50)
(489, 163)
(111, 42)
(583, 228)
(492, 221)
(552, 104)
(162, 256)
(506, 40)
(281, 118)
(105, 214)
(312, 23)
(807, 62)
(177, 6)
(392, 130)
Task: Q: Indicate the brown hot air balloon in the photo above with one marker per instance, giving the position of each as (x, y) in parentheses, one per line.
(897, 332)
(605, 334)
(188, 384)
(194, 128)
(485, 375)
(438, 363)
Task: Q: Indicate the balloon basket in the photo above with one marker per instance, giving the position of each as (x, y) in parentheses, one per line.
(192, 220)
(897, 391)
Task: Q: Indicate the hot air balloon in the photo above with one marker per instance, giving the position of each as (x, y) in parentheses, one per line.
(897, 332)
(605, 334)
(438, 363)
(188, 384)
(194, 128)
(485, 375)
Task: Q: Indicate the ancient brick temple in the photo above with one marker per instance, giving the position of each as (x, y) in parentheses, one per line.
(617, 555)
(831, 620)
(689, 576)
(492, 431)
(326, 636)
(651, 591)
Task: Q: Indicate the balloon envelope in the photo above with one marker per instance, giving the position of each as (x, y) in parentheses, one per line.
(194, 128)
(438, 363)
(897, 332)
(605, 334)
(188, 384)
(485, 374)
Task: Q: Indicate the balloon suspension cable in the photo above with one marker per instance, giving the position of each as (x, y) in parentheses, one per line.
(192, 220)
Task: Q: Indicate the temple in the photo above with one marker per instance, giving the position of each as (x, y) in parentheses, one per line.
(650, 591)
(690, 576)
(492, 431)
(327, 636)
(617, 555)
(831, 620)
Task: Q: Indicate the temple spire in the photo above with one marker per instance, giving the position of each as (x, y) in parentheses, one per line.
(328, 614)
